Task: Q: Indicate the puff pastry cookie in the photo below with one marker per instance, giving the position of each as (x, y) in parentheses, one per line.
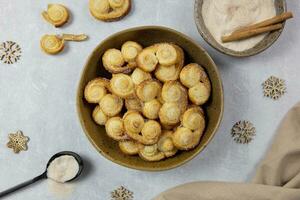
(133, 123)
(186, 139)
(166, 54)
(194, 77)
(147, 59)
(114, 62)
(129, 147)
(151, 153)
(109, 10)
(193, 118)
(56, 14)
(51, 44)
(148, 90)
(96, 89)
(130, 51)
(139, 76)
(166, 145)
(151, 109)
(170, 113)
(99, 116)
(111, 105)
(166, 73)
(122, 85)
(115, 129)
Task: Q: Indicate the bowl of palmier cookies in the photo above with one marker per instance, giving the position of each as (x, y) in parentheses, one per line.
(150, 98)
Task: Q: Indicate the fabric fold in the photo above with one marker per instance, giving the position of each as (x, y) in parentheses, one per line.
(277, 177)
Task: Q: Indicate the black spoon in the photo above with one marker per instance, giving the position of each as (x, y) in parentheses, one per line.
(44, 175)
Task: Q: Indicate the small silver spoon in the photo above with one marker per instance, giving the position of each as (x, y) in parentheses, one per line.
(44, 175)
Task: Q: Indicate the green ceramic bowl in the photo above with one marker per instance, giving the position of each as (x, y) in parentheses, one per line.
(269, 39)
(147, 36)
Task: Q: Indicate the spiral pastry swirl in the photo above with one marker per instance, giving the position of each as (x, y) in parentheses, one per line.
(99, 116)
(115, 129)
(129, 147)
(185, 139)
(150, 153)
(166, 145)
(151, 109)
(111, 105)
(96, 89)
(193, 118)
(130, 51)
(56, 14)
(148, 90)
(51, 44)
(122, 85)
(139, 76)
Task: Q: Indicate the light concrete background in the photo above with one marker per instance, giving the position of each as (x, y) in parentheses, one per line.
(37, 96)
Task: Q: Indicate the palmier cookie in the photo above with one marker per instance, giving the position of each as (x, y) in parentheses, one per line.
(56, 14)
(151, 109)
(130, 51)
(99, 116)
(96, 89)
(173, 91)
(150, 153)
(166, 145)
(148, 90)
(166, 73)
(166, 54)
(193, 118)
(170, 113)
(114, 62)
(115, 129)
(122, 85)
(147, 59)
(111, 105)
(192, 74)
(138, 76)
(109, 10)
(186, 139)
(129, 147)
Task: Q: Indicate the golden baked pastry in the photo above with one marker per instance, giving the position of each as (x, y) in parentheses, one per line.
(192, 74)
(173, 91)
(199, 94)
(166, 145)
(51, 44)
(148, 90)
(129, 147)
(151, 109)
(130, 51)
(56, 14)
(139, 76)
(150, 153)
(122, 85)
(95, 90)
(193, 118)
(114, 62)
(166, 54)
(111, 105)
(147, 59)
(109, 10)
(133, 123)
(115, 129)
(150, 132)
(99, 116)
(170, 113)
(166, 73)
(185, 139)
(133, 104)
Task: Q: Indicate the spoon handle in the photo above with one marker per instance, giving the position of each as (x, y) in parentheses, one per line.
(22, 185)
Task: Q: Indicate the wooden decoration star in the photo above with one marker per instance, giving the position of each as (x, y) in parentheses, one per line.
(17, 141)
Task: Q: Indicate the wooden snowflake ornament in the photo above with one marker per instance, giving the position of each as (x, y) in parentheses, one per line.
(274, 87)
(17, 141)
(243, 132)
(121, 193)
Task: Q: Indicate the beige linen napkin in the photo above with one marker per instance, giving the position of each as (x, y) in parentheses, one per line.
(277, 177)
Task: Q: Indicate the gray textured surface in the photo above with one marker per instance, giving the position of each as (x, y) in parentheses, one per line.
(37, 96)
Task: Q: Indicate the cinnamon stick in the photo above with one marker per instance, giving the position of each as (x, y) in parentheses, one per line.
(274, 20)
(250, 33)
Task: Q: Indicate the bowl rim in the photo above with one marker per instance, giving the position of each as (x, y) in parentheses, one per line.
(230, 52)
(142, 168)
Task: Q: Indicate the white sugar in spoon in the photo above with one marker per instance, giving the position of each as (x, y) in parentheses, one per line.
(56, 169)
